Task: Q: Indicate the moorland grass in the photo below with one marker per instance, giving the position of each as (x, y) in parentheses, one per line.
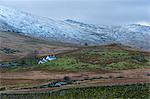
(95, 58)
(136, 91)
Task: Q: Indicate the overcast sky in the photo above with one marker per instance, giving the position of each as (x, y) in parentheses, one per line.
(89, 11)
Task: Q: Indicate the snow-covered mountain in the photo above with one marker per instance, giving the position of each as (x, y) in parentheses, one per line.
(74, 32)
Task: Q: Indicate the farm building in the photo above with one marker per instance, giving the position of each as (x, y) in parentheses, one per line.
(46, 59)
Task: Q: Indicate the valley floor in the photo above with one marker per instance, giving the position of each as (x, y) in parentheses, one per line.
(15, 81)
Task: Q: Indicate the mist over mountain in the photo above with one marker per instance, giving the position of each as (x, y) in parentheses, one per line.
(73, 32)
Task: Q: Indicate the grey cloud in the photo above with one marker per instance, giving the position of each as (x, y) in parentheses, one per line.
(88, 11)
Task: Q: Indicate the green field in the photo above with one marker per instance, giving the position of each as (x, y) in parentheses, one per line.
(118, 92)
(94, 58)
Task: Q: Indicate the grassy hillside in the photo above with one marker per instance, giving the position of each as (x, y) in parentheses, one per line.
(19, 48)
(14, 46)
(111, 57)
(98, 59)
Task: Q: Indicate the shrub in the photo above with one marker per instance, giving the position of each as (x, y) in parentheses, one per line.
(2, 88)
(67, 79)
(139, 58)
(86, 44)
(9, 50)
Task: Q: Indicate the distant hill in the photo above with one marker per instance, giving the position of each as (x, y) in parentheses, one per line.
(14, 46)
(73, 32)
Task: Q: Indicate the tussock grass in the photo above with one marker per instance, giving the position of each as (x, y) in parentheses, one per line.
(136, 91)
(96, 58)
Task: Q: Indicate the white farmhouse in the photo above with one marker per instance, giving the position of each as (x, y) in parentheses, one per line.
(46, 59)
(40, 62)
(50, 58)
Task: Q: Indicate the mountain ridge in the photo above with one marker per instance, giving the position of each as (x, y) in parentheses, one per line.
(74, 32)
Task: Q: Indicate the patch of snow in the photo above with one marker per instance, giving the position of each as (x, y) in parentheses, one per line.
(73, 32)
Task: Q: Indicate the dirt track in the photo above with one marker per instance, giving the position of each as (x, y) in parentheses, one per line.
(94, 78)
(85, 83)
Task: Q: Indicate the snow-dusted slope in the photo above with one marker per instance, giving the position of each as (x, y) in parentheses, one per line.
(71, 31)
(134, 35)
